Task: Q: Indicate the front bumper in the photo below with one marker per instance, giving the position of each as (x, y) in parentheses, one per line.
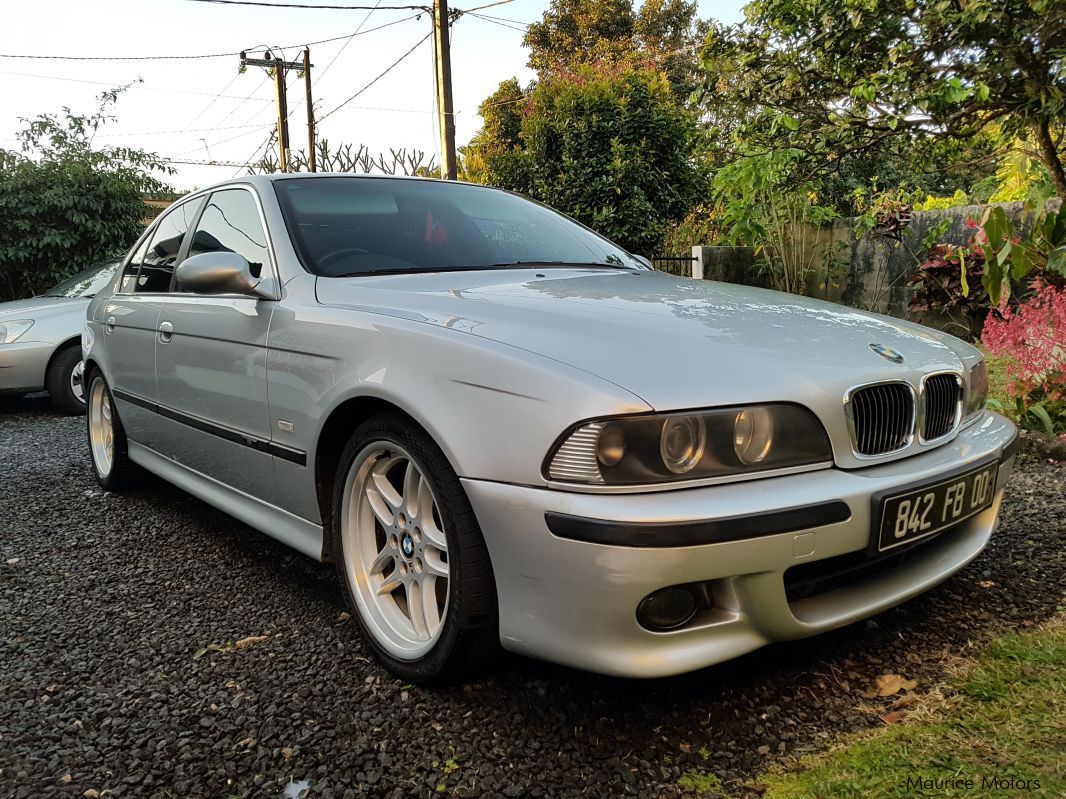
(23, 365)
(574, 602)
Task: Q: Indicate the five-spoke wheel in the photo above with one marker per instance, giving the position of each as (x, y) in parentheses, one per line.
(410, 554)
(399, 551)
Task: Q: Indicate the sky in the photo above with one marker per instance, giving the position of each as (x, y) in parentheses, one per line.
(203, 109)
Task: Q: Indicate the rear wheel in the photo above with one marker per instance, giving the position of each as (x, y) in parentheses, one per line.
(64, 381)
(107, 439)
(411, 556)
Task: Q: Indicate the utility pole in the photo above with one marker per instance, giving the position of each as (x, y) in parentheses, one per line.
(280, 66)
(442, 51)
(310, 111)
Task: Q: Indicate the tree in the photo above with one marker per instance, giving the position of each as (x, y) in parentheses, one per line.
(65, 203)
(663, 34)
(501, 115)
(835, 79)
(616, 151)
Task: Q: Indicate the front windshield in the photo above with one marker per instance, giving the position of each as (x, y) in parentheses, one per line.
(86, 283)
(358, 226)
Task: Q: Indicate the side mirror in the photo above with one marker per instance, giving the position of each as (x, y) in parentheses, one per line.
(217, 273)
(644, 261)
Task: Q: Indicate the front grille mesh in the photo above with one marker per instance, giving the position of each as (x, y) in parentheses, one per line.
(883, 417)
(941, 405)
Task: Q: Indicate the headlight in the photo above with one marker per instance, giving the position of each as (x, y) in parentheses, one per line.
(10, 331)
(662, 448)
(977, 388)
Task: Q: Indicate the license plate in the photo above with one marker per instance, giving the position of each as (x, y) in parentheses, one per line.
(922, 512)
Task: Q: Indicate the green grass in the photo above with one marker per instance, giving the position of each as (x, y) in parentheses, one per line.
(1004, 718)
(997, 380)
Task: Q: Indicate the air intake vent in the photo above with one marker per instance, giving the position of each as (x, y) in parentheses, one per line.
(941, 399)
(882, 418)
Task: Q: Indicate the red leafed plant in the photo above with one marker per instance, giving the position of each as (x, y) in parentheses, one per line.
(948, 284)
(1033, 336)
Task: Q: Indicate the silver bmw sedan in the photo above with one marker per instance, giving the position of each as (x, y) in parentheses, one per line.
(40, 337)
(505, 430)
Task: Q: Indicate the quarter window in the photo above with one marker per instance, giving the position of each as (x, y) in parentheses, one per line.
(231, 223)
(133, 268)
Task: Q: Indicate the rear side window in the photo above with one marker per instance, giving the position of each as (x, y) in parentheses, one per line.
(157, 268)
(231, 223)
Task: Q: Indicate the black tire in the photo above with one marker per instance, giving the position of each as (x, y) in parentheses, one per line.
(58, 381)
(469, 640)
(124, 473)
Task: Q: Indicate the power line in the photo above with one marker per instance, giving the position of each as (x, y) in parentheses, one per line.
(483, 18)
(494, 18)
(139, 86)
(307, 5)
(387, 70)
(211, 55)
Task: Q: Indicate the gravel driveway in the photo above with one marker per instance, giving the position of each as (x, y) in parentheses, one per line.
(121, 675)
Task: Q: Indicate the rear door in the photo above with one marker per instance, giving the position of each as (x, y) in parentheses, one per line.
(130, 321)
(211, 357)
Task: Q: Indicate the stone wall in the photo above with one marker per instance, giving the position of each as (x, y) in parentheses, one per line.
(862, 273)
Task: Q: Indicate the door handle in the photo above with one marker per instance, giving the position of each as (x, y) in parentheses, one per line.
(109, 325)
(166, 332)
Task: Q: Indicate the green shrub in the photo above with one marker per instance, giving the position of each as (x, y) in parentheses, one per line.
(65, 205)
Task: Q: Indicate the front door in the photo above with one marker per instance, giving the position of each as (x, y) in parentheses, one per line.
(211, 358)
(130, 320)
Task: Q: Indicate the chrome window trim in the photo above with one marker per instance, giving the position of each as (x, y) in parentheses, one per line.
(645, 488)
(850, 419)
(959, 407)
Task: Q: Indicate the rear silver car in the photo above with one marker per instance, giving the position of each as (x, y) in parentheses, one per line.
(503, 429)
(40, 339)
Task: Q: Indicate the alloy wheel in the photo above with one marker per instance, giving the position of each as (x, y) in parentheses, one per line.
(395, 550)
(101, 428)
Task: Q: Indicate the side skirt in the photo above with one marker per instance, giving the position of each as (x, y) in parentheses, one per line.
(300, 534)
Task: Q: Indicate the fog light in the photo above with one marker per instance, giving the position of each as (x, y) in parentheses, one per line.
(667, 609)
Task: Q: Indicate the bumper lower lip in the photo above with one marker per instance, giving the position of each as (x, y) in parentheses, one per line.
(694, 533)
(574, 601)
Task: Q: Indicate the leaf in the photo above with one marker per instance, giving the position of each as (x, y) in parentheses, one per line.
(962, 275)
(1040, 412)
(894, 716)
(199, 653)
(889, 685)
(251, 640)
(1056, 260)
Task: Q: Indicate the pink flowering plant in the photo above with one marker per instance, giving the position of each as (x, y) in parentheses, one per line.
(1032, 336)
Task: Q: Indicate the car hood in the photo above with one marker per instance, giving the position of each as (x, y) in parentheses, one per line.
(40, 307)
(675, 342)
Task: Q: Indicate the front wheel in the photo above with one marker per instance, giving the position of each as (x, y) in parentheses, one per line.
(411, 556)
(64, 381)
(107, 439)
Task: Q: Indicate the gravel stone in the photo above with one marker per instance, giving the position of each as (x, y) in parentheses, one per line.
(118, 614)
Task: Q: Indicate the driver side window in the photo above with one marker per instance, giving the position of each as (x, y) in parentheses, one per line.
(231, 223)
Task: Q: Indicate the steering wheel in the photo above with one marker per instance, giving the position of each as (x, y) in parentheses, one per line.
(336, 255)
